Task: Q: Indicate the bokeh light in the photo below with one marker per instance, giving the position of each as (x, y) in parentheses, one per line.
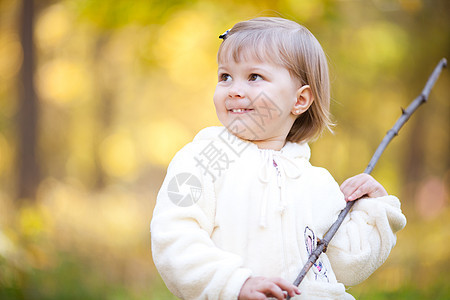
(123, 85)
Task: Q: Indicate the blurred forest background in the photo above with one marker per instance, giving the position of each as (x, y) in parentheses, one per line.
(96, 97)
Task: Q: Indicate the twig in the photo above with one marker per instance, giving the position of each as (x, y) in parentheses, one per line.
(406, 114)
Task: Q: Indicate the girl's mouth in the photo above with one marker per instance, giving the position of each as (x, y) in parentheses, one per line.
(240, 110)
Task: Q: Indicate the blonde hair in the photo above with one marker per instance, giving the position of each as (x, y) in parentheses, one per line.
(294, 47)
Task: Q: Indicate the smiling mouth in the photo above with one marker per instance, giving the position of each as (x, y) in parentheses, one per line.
(240, 110)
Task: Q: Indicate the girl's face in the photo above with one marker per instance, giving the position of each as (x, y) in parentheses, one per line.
(256, 101)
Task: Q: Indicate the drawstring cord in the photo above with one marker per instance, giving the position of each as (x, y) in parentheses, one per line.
(284, 167)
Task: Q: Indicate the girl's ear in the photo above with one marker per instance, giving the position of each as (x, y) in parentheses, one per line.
(305, 98)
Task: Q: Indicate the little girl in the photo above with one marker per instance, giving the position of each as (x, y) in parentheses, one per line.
(241, 207)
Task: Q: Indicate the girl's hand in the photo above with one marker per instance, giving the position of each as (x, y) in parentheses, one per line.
(259, 288)
(362, 185)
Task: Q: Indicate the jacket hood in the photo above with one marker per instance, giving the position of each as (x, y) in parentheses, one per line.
(221, 134)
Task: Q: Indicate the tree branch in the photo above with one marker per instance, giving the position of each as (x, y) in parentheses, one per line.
(406, 114)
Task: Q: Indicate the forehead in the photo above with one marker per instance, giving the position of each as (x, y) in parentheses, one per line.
(250, 48)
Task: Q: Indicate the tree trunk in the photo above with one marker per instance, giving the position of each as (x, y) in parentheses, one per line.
(27, 165)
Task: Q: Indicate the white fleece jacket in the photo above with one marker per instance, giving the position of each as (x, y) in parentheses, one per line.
(228, 210)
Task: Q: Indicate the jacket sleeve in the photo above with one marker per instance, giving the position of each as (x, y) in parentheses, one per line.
(365, 238)
(189, 262)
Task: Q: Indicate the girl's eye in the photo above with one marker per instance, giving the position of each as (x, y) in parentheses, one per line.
(224, 77)
(255, 77)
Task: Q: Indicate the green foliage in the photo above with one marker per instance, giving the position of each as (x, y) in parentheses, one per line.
(73, 279)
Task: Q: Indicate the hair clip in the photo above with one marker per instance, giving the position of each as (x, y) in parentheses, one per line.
(223, 36)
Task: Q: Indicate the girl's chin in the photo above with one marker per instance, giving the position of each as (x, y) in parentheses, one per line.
(244, 137)
(243, 132)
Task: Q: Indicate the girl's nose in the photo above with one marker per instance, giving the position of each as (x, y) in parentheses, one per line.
(236, 90)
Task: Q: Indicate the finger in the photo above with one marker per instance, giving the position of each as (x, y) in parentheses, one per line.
(272, 290)
(351, 185)
(348, 187)
(370, 188)
(358, 193)
(251, 290)
(286, 286)
(253, 295)
(357, 179)
(259, 296)
(346, 183)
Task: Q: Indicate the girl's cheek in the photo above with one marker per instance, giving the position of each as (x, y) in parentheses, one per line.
(218, 93)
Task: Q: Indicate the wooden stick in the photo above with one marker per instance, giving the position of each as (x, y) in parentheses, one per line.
(406, 114)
